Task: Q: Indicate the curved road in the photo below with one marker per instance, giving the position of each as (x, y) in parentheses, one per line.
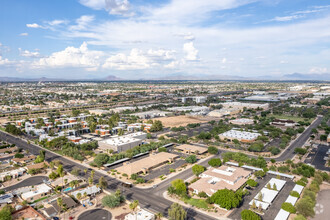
(149, 198)
(95, 214)
(34, 180)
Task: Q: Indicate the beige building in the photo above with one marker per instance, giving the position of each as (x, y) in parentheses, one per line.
(191, 149)
(146, 164)
(224, 177)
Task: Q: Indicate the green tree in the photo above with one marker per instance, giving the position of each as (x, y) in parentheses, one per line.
(305, 206)
(5, 213)
(101, 159)
(133, 205)
(176, 212)
(191, 159)
(226, 198)
(198, 169)
(103, 183)
(215, 162)
(249, 215)
(111, 201)
(156, 126)
(212, 150)
(251, 183)
(179, 186)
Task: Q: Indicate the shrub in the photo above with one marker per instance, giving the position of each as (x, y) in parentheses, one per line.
(249, 215)
(212, 150)
(251, 183)
(140, 180)
(275, 151)
(294, 194)
(300, 150)
(202, 195)
(301, 183)
(215, 162)
(134, 176)
(191, 159)
(198, 169)
(288, 207)
(305, 206)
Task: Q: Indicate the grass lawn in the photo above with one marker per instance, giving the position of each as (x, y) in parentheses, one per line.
(294, 118)
(2, 129)
(200, 203)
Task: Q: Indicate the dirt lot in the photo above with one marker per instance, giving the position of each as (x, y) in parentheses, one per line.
(182, 120)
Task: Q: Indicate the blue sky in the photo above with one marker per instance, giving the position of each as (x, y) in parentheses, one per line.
(152, 39)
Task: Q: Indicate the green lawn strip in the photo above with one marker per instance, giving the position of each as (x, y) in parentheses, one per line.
(294, 118)
(199, 203)
(38, 200)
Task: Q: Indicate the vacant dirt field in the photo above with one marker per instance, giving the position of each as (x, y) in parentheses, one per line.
(182, 120)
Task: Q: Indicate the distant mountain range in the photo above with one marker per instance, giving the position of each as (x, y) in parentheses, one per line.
(182, 76)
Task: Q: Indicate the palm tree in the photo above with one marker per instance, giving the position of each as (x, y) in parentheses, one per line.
(133, 206)
(92, 174)
(60, 204)
(85, 171)
(159, 215)
(78, 196)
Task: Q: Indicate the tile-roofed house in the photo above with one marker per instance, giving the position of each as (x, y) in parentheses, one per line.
(24, 159)
(224, 177)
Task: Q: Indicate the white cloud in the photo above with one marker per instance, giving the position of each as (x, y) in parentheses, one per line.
(287, 18)
(57, 22)
(72, 57)
(23, 34)
(94, 4)
(26, 53)
(191, 53)
(319, 70)
(82, 22)
(4, 61)
(118, 7)
(224, 60)
(34, 25)
(114, 7)
(137, 59)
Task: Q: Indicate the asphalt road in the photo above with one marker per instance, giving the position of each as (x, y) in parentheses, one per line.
(95, 214)
(299, 142)
(34, 180)
(149, 198)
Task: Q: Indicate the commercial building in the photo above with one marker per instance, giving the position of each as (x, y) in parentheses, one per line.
(242, 121)
(197, 99)
(224, 177)
(123, 143)
(241, 105)
(189, 109)
(243, 136)
(223, 112)
(191, 149)
(151, 114)
(146, 164)
(283, 123)
(37, 192)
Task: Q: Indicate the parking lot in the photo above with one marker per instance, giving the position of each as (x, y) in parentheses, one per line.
(274, 208)
(316, 157)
